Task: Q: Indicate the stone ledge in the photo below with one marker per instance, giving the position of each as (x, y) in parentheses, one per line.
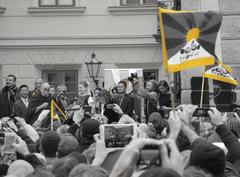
(133, 10)
(46, 11)
(230, 13)
(2, 10)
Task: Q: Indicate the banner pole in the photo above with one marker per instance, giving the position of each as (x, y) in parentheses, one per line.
(51, 115)
(202, 89)
(171, 91)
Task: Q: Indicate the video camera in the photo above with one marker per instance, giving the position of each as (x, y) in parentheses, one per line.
(133, 75)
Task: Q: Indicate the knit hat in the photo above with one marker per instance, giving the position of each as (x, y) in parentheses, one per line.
(90, 127)
(160, 172)
(208, 157)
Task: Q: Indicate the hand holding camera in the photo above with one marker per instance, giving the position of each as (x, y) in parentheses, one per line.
(187, 112)
(133, 77)
(117, 109)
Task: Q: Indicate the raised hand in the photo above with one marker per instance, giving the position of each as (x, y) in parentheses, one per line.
(117, 109)
(173, 159)
(216, 117)
(21, 147)
(187, 112)
(174, 124)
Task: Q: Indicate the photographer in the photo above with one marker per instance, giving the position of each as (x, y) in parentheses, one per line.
(149, 94)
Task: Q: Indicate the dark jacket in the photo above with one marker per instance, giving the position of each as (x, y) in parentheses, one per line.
(7, 98)
(20, 109)
(35, 101)
(232, 144)
(126, 103)
(150, 98)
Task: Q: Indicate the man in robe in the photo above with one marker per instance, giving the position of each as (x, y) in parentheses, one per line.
(38, 102)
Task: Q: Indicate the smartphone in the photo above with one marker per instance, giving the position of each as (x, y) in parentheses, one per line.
(109, 106)
(149, 157)
(9, 139)
(117, 136)
(201, 112)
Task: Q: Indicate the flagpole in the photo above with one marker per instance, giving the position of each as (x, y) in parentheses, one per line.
(202, 89)
(171, 91)
(51, 115)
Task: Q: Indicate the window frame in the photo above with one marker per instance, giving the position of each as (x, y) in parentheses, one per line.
(58, 81)
(57, 4)
(138, 3)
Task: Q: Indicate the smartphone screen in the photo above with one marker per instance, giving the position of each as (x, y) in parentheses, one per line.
(118, 135)
(149, 157)
(9, 139)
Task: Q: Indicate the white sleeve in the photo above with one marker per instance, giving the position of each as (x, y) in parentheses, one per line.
(31, 132)
(90, 101)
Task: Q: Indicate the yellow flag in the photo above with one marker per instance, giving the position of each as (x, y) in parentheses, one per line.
(55, 110)
(188, 38)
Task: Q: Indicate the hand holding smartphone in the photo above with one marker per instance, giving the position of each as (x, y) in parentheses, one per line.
(117, 136)
(9, 139)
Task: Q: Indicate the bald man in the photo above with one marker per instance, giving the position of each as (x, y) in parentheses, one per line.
(38, 102)
(37, 84)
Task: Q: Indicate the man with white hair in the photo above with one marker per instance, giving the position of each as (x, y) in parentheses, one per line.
(37, 86)
(38, 102)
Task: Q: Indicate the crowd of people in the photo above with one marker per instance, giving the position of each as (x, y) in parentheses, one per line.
(68, 141)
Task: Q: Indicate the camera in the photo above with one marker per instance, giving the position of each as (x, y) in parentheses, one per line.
(133, 75)
(118, 135)
(201, 112)
(109, 106)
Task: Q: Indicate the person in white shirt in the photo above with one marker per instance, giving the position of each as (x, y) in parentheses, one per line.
(21, 105)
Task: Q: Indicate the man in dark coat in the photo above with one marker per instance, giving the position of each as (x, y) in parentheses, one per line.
(38, 102)
(20, 106)
(37, 84)
(9, 95)
(125, 101)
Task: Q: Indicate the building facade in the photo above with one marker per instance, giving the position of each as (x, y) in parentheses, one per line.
(54, 38)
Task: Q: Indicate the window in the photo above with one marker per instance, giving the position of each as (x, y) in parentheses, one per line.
(56, 3)
(58, 77)
(137, 2)
(150, 74)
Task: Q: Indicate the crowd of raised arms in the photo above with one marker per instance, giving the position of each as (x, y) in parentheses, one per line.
(101, 133)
